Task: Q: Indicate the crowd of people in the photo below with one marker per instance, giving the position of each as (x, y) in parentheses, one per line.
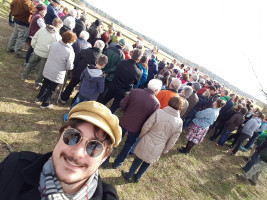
(158, 100)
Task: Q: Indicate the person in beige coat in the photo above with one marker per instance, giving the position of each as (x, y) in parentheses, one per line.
(158, 135)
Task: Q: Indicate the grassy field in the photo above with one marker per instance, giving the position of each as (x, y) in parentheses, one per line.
(208, 173)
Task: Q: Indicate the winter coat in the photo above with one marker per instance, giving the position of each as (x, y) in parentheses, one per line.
(22, 11)
(184, 108)
(92, 83)
(234, 122)
(206, 117)
(37, 22)
(94, 34)
(137, 107)
(86, 57)
(20, 175)
(159, 134)
(251, 126)
(115, 55)
(161, 66)
(225, 98)
(164, 96)
(262, 127)
(43, 39)
(126, 76)
(79, 27)
(202, 90)
(60, 58)
(152, 69)
(211, 100)
(51, 14)
(142, 81)
(192, 101)
(78, 46)
(262, 149)
(127, 55)
(202, 101)
(228, 106)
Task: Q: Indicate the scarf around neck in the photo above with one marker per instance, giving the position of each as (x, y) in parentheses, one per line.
(51, 189)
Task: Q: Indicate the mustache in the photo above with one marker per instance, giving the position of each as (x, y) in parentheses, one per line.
(72, 159)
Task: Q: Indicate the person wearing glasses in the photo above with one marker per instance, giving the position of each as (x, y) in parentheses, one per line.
(71, 170)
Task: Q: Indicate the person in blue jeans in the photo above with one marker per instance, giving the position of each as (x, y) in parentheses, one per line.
(159, 133)
(137, 107)
(232, 124)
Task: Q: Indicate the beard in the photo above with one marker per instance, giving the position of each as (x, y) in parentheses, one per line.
(69, 178)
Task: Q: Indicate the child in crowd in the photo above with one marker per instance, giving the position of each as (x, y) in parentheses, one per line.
(92, 82)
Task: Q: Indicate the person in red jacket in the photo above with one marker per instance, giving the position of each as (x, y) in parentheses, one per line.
(204, 88)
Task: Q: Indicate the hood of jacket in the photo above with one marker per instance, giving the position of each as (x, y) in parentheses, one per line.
(93, 73)
(50, 28)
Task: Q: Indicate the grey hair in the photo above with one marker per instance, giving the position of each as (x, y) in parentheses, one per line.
(128, 48)
(99, 44)
(84, 35)
(195, 77)
(73, 13)
(69, 22)
(154, 84)
(187, 91)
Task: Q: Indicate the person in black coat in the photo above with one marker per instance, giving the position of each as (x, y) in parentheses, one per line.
(213, 96)
(223, 117)
(80, 26)
(71, 170)
(203, 99)
(80, 44)
(162, 65)
(94, 31)
(87, 57)
(126, 75)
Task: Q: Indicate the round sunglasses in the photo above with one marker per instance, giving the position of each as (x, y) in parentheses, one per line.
(73, 137)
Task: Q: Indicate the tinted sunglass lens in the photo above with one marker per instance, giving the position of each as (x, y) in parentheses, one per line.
(94, 148)
(71, 137)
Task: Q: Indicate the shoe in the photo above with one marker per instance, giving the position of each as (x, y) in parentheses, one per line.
(37, 101)
(65, 117)
(126, 176)
(241, 177)
(182, 150)
(243, 148)
(246, 158)
(135, 178)
(62, 101)
(20, 55)
(10, 50)
(211, 138)
(252, 182)
(115, 167)
(50, 106)
(230, 152)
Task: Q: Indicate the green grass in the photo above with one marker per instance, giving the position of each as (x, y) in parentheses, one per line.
(208, 173)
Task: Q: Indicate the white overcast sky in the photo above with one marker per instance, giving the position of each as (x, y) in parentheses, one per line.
(220, 35)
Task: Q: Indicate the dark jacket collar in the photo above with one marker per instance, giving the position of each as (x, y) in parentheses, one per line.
(31, 173)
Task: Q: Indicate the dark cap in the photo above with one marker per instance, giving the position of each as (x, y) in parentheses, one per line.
(209, 83)
(41, 7)
(98, 22)
(57, 1)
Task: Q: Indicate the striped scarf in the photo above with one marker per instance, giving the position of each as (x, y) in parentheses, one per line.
(51, 189)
